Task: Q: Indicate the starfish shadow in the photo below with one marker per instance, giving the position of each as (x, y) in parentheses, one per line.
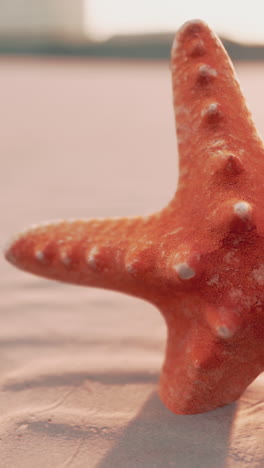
(75, 379)
(157, 438)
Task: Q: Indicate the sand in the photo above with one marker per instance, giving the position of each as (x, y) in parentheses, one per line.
(80, 366)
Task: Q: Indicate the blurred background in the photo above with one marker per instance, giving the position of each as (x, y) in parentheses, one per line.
(142, 28)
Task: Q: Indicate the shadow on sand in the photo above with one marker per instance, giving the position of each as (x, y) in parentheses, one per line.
(157, 438)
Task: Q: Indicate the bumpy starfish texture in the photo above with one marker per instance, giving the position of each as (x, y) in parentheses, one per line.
(201, 259)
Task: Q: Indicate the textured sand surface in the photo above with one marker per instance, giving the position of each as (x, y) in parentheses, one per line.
(79, 367)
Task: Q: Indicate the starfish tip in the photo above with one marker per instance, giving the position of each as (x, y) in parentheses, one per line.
(8, 249)
(190, 29)
(192, 26)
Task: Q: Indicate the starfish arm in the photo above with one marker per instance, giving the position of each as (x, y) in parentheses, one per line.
(108, 253)
(213, 369)
(200, 259)
(208, 103)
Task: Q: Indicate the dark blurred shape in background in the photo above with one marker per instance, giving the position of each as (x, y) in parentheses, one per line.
(58, 27)
(55, 20)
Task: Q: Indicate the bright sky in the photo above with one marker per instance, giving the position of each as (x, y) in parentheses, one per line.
(240, 19)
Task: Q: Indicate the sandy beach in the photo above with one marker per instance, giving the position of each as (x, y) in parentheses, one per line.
(80, 366)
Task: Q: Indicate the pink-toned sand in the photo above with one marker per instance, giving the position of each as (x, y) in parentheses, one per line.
(79, 367)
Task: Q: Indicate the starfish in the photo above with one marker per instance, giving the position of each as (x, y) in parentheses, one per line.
(200, 260)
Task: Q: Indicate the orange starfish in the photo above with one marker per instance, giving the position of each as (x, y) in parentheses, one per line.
(201, 259)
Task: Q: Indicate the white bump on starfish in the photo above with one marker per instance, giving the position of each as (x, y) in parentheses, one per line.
(236, 294)
(92, 258)
(65, 258)
(233, 165)
(39, 256)
(211, 111)
(206, 72)
(184, 271)
(243, 210)
(224, 332)
(258, 275)
(131, 267)
(214, 280)
(231, 257)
